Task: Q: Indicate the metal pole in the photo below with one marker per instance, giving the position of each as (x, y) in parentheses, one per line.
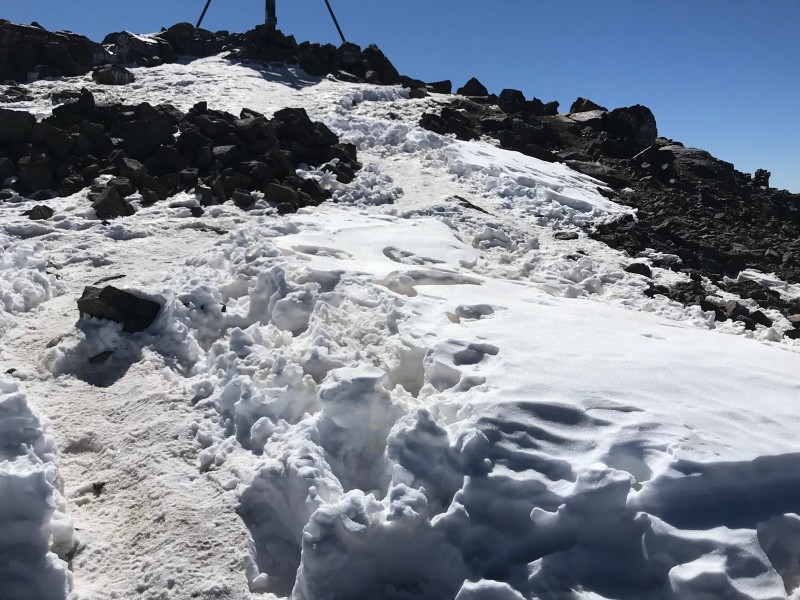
(202, 16)
(335, 21)
(271, 16)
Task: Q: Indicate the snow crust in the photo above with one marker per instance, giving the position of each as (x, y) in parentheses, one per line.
(417, 390)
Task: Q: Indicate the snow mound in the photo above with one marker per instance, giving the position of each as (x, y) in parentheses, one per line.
(33, 523)
(24, 280)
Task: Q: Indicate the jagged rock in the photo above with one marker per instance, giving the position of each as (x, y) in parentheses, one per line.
(243, 199)
(143, 49)
(351, 59)
(110, 303)
(35, 172)
(473, 88)
(441, 87)
(761, 178)
(382, 66)
(635, 124)
(185, 39)
(511, 100)
(639, 269)
(108, 204)
(26, 49)
(318, 59)
(143, 137)
(113, 75)
(700, 163)
(583, 105)
(40, 212)
(7, 169)
(132, 169)
(15, 125)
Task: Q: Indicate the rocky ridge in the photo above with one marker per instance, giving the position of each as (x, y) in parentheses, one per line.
(703, 216)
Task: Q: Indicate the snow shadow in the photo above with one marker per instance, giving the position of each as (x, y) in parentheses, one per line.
(290, 76)
(737, 495)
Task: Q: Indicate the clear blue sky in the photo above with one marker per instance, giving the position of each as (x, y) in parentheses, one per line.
(723, 75)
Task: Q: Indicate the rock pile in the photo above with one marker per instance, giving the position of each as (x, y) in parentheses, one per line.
(31, 52)
(159, 151)
(716, 220)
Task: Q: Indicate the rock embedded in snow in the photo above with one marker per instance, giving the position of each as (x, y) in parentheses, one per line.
(108, 204)
(113, 75)
(133, 312)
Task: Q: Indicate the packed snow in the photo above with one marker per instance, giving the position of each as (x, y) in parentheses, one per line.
(416, 390)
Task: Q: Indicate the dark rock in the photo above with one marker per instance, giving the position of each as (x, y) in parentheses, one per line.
(35, 172)
(761, 178)
(122, 185)
(280, 194)
(132, 169)
(113, 75)
(351, 59)
(243, 199)
(185, 39)
(318, 59)
(143, 137)
(511, 100)
(15, 125)
(441, 87)
(635, 124)
(550, 109)
(110, 303)
(25, 49)
(40, 212)
(639, 269)
(108, 204)
(473, 88)
(143, 49)
(584, 105)
(387, 73)
(7, 169)
(565, 235)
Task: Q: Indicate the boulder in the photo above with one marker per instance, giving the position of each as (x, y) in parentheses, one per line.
(473, 88)
(108, 204)
(15, 125)
(636, 124)
(40, 212)
(110, 303)
(187, 40)
(143, 137)
(511, 100)
(35, 172)
(583, 105)
(143, 49)
(761, 178)
(441, 87)
(382, 66)
(639, 268)
(113, 75)
(351, 59)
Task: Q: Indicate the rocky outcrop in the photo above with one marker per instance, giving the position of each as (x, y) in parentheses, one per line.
(113, 75)
(157, 151)
(714, 219)
(28, 51)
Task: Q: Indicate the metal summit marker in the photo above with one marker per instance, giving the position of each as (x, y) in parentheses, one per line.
(271, 16)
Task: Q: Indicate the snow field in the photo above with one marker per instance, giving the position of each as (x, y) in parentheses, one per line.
(408, 397)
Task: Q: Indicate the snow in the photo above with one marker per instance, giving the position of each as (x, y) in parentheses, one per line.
(416, 390)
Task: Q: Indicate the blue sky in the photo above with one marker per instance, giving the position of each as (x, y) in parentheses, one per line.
(718, 74)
